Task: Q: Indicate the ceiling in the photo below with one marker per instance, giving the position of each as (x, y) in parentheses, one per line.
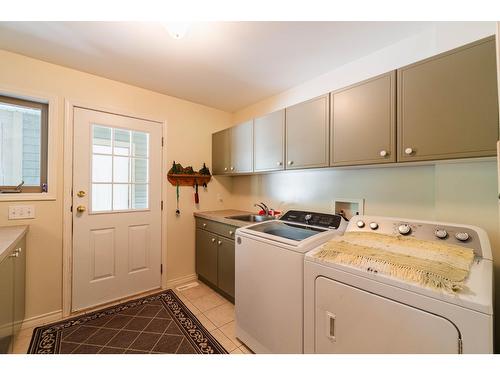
(225, 65)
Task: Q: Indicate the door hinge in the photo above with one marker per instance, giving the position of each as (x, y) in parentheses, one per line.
(71, 208)
(161, 205)
(161, 269)
(460, 346)
(162, 141)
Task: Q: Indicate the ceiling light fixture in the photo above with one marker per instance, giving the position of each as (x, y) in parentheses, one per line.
(177, 30)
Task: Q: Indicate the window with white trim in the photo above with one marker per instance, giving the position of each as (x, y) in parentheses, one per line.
(23, 145)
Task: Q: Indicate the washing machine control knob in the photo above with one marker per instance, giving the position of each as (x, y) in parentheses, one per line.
(462, 236)
(360, 223)
(441, 233)
(308, 217)
(404, 229)
(373, 225)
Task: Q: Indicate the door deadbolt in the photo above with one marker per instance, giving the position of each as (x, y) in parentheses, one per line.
(81, 194)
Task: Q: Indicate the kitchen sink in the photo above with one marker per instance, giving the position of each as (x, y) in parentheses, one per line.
(251, 218)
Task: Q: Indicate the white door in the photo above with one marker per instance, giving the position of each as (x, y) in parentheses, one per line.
(350, 320)
(116, 207)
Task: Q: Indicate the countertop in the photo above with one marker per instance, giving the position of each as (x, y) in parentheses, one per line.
(220, 216)
(8, 238)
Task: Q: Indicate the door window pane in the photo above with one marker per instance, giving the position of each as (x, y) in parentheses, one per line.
(101, 139)
(120, 169)
(140, 196)
(121, 197)
(140, 170)
(101, 168)
(140, 142)
(101, 197)
(121, 142)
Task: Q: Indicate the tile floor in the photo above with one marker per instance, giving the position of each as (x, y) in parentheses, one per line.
(212, 310)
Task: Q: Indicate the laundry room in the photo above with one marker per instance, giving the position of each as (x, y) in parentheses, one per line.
(276, 185)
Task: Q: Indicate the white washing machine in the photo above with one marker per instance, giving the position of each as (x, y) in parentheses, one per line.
(269, 273)
(352, 310)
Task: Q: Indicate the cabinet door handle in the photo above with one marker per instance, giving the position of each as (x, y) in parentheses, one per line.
(213, 239)
(204, 225)
(408, 151)
(19, 250)
(15, 254)
(384, 153)
(279, 163)
(290, 162)
(330, 326)
(232, 168)
(219, 243)
(225, 169)
(231, 232)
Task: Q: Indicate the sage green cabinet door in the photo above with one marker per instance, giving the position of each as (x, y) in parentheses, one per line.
(19, 285)
(269, 142)
(226, 265)
(242, 148)
(206, 255)
(307, 134)
(448, 105)
(221, 152)
(363, 122)
(6, 304)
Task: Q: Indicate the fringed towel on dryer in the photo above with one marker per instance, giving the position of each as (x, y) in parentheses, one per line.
(430, 263)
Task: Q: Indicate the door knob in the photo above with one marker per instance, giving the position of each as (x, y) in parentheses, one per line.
(81, 194)
(81, 209)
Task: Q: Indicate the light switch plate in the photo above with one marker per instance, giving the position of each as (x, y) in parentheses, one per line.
(21, 212)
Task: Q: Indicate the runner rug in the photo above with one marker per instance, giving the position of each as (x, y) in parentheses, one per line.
(159, 323)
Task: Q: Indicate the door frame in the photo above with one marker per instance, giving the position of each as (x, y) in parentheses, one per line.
(67, 274)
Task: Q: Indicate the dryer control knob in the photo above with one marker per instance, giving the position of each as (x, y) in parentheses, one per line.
(360, 223)
(462, 236)
(308, 217)
(404, 229)
(441, 233)
(373, 225)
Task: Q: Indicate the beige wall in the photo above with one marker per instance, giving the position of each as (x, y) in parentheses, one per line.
(464, 192)
(188, 141)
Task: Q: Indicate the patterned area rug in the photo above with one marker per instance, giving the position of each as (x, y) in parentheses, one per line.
(159, 323)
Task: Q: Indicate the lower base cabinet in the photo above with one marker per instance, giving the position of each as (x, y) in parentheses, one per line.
(225, 266)
(215, 257)
(12, 295)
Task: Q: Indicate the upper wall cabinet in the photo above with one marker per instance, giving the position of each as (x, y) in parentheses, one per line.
(221, 151)
(307, 132)
(242, 148)
(363, 122)
(448, 105)
(269, 142)
(232, 150)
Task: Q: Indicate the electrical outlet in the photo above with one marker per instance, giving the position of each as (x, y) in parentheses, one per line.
(21, 212)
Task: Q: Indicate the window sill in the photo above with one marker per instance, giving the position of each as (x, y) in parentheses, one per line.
(17, 197)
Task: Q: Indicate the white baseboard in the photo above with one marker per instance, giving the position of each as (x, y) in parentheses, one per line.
(181, 280)
(41, 320)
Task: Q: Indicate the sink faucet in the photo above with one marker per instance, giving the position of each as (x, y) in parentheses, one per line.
(263, 207)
